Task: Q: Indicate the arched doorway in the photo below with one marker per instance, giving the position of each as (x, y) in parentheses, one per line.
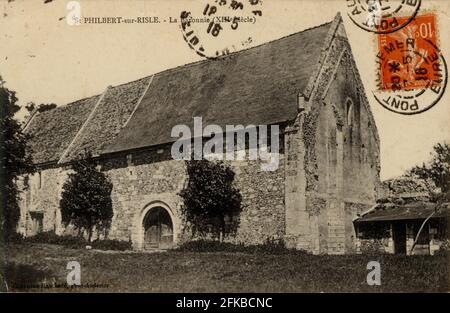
(158, 229)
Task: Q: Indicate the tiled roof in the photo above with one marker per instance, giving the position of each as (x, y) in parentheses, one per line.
(52, 131)
(256, 86)
(107, 119)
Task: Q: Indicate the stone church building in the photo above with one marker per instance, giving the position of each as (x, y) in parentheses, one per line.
(307, 83)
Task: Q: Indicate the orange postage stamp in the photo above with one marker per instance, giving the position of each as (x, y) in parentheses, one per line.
(408, 58)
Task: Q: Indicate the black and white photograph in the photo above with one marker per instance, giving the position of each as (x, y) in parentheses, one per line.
(224, 147)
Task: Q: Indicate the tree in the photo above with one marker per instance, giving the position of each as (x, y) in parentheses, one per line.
(209, 196)
(437, 170)
(86, 198)
(16, 160)
(31, 106)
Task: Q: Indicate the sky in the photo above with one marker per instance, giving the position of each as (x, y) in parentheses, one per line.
(46, 60)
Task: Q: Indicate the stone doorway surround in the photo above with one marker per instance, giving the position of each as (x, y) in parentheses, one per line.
(158, 229)
(146, 205)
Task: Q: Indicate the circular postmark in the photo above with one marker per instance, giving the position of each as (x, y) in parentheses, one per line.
(216, 28)
(380, 16)
(412, 72)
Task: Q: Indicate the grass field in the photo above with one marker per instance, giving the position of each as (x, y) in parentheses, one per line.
(221, 271)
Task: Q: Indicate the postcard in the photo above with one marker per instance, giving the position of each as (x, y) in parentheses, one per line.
(225, 146)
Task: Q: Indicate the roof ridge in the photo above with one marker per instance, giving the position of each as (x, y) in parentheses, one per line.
(65, 105)
(182, 66)
(328, 40)
(96, 95)
(271, 41)
(186, 65)
(133, 81)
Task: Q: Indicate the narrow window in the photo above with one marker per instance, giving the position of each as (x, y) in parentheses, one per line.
(39, 180)
(36, 223)
(349, 106)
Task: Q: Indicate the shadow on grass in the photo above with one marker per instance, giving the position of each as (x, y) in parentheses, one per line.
(22, 277)
(268, 247)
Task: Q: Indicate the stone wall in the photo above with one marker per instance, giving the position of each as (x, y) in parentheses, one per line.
(263, 211)
(150, 178)
(297, 219)
(41, 193)
(142, 180)
(341, 158)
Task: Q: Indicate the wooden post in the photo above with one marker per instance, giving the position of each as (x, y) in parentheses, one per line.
(420, 230)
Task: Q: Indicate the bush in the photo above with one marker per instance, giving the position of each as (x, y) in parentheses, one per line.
(73, 242)
(22, 276)
(444, 248)
(15, 238)
(108, 244)
(93, 210)
(269, 247)
(52, 238)
(209, 197)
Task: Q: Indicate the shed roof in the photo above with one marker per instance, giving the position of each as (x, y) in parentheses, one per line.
(411, 211)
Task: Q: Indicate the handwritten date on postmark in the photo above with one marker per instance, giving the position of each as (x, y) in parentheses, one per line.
(220, 27)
